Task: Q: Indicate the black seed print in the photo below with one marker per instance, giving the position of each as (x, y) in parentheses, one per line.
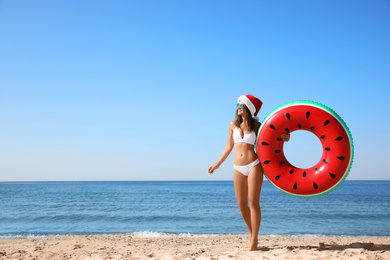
(325, 161)
(295, 186)
(277, 177)
(287, 130)
(307, 114)
(264, 143)
(340, 158)
(267, 162)
(339, 138)
(272, 126)
(317, 171)
(322, 136)
(291, 171)
(299, 126)
(315, 185)
(327, 148)
(279, 139)
(312, 128)
(277, 151)
(332, 175)
(288, 116)
(281, 163)
(326, 122)
(304, 174)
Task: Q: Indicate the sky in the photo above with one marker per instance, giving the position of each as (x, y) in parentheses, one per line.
(145, 90)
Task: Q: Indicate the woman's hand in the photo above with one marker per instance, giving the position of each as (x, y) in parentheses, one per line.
(285, 137)
(212, 168)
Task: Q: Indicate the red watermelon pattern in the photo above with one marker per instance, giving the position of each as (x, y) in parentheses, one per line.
(335, 138)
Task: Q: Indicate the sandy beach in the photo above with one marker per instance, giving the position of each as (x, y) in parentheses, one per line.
(207, 247)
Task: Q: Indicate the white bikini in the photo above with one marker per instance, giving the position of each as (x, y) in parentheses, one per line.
(249, 138)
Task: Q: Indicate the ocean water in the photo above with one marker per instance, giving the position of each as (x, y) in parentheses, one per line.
(356, 208)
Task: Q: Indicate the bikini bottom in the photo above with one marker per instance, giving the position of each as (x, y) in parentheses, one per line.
(245, 169)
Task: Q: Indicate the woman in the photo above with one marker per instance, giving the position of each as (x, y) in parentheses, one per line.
(248, 173)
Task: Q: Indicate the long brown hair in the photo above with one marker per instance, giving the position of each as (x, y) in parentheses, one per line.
(249, 119)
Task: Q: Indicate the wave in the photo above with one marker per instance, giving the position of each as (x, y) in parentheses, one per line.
(140, 234)
(156, 234)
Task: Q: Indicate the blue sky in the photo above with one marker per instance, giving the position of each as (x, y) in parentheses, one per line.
(145, 90)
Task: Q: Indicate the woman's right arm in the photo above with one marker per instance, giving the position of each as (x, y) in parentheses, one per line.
(228, 148)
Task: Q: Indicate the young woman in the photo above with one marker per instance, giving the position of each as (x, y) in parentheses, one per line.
(248, 173)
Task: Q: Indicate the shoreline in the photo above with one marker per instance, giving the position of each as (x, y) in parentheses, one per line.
(130, 246)
(157, 234)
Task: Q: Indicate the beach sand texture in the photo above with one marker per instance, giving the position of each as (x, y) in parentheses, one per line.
(207, 247)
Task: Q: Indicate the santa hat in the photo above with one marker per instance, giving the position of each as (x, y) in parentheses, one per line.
(252, 103)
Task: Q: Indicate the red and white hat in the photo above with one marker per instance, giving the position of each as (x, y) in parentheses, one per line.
(252, 103)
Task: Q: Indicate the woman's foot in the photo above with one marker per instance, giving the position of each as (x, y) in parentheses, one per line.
(253, 244)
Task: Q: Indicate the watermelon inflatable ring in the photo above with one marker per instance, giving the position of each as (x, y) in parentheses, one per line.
(335, 138)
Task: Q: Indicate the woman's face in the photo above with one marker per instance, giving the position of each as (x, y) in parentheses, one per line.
(240, 108)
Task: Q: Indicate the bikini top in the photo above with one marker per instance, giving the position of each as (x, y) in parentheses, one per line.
(249, 138)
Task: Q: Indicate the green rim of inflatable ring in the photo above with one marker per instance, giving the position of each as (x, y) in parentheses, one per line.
(332, 112)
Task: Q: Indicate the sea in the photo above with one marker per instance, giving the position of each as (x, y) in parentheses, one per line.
(187, 208)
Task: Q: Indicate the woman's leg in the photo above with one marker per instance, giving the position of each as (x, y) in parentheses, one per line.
(241, 190)
(255, 181)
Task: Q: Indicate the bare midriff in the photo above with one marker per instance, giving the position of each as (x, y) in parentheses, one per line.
(244, 154)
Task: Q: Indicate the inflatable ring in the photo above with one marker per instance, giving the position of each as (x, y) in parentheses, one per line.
(335, 138)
